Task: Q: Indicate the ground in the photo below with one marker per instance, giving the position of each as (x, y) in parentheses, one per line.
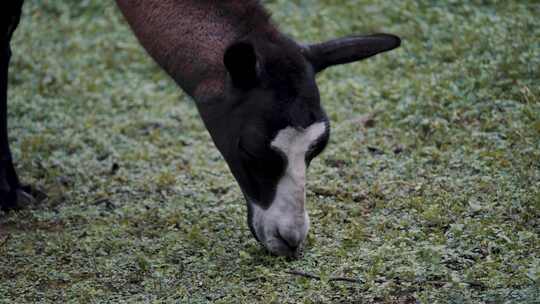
(429, 190)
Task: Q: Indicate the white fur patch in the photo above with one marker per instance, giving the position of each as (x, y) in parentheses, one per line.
(294, 144)
(287, 215)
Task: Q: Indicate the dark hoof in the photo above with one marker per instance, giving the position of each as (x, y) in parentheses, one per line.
(16, 200)
(24, 199)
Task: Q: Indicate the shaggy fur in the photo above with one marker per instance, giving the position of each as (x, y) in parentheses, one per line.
(188, 38)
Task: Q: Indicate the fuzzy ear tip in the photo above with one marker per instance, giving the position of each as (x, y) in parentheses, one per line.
(240, 60)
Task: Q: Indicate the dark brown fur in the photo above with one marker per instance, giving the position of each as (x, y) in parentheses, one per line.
(188, 38)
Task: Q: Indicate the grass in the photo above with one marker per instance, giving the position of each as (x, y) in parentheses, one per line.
(429, 191)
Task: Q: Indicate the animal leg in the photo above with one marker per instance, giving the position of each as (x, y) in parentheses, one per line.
(12, 194)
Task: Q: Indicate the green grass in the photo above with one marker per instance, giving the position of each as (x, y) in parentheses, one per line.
(429, 191)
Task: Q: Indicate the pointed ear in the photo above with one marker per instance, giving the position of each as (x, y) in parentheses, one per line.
(241, 62)
(349, 49)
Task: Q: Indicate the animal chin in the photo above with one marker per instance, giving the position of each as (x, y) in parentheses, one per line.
(279, 247)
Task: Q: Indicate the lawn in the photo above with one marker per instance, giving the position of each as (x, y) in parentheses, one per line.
(428, 192)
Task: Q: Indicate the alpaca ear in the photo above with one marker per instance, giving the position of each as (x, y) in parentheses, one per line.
(349, 49)
(240, 60)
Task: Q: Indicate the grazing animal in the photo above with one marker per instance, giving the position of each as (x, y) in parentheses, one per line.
(254, 88)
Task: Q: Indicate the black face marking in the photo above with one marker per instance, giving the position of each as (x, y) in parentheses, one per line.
(243, 126)
(263, 166)
(319, 146)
